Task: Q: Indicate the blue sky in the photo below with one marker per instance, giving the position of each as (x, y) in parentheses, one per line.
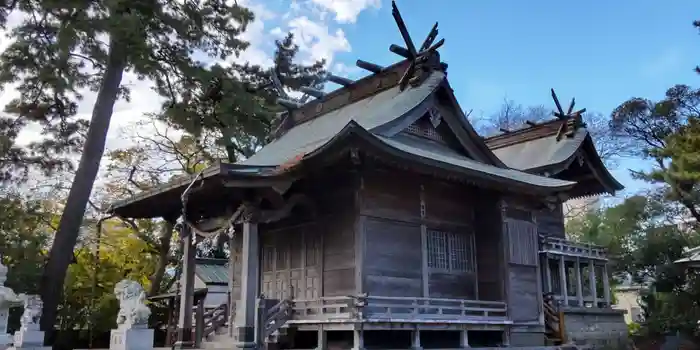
(602, 53)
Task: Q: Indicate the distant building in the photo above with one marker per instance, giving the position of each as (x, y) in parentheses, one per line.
(627, 298)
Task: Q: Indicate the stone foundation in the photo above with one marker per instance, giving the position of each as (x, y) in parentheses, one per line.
(595, 327)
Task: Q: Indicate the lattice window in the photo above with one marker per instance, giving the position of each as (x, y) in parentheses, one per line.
(438, 250)
(450, 251)
(522, 242)
(424, 128)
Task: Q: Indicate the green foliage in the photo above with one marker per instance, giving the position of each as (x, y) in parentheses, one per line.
(633, 328)
(63, 48)
(237, 103)
(89, 288)
(24, 235)
(644, 241)
(696, 24)
(666, 132)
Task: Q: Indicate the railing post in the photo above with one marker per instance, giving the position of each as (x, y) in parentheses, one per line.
(360, 304)
(259, 331)
(199, 324)
(547, 273)
(592, 282)
(579, 282)
(606, 285)
(562, 327)
(563, 281)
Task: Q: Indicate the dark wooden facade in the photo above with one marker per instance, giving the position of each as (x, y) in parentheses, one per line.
(377, 207)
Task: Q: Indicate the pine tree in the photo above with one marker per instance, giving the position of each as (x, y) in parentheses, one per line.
(238, 102)
(696, 24)
(63, 47)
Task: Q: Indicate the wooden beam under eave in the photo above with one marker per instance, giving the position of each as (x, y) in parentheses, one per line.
(258, 183)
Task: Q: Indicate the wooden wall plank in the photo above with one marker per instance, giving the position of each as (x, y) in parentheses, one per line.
(393, 258)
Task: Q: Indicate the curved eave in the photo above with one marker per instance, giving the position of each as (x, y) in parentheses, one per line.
(598, 168)
(563, 160)
(353, 134)
(592, 161)
(472, 135)
(164, 200)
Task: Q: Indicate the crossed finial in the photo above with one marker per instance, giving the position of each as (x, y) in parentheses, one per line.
(426, 50)
(569, 113)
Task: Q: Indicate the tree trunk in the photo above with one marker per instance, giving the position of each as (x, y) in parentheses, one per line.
(164, 250)
(66, 236)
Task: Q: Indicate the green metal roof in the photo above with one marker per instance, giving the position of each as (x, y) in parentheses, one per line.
(212, 271)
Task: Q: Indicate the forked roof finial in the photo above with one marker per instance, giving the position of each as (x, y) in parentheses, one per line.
(424, 60)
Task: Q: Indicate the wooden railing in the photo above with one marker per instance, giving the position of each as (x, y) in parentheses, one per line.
(397, 308)
(588, 301)
(214, 319)
(566, 247)
(554, 324)
(271, 319)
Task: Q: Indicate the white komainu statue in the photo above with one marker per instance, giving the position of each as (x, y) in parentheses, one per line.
(33, 306)
(133, 311)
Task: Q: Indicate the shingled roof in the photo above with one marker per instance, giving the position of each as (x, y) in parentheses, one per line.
(551, 148)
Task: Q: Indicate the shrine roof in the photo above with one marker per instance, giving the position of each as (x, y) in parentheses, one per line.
(551, 147)
(536, 148)
(370, 113)
(368, 117)
(211, 271)
(365, 124)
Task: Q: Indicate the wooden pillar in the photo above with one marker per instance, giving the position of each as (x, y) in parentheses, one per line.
(424, 245)
(199, 324)
(250, 282)
(579, 282)
(464, 339)
(506, 337)
(592, 282)
(562, 281)
(231, 273)
(322, 340)
(358, 340)
(415, 341)
(606, 285)
(184, 325)
(547, 274)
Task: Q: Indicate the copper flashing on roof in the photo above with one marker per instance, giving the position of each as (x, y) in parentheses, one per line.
(525, 134)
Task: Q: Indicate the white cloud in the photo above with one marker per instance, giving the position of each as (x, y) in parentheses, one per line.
(315, 40)
(347, 71)
(346, 11)
(314, 37)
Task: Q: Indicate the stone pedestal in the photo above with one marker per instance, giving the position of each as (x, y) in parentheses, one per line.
(5, 341)
(131, 339)
(29, 338)
(8, 299)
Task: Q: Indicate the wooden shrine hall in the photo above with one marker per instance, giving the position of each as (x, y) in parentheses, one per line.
(377, 217)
